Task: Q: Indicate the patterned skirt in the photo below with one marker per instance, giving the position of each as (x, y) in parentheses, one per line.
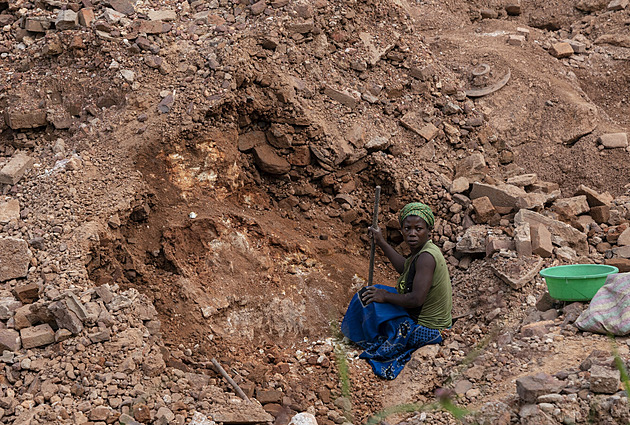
(387, 334)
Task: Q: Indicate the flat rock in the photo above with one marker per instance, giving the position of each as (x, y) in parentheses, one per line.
(594, 198)
(15, 169)
(573, 206)
(500, 196)
(269, 161)
(565, 233)
(459, 185)
(9, 340)
(9, 210)
(517, 272)
(614, 140)
(473, 241)
(561, 50)
(604, 380)
(529, 388)
(122, 6)
(17, 119)
(341, 96)
(523, 180)
(66, 20)
(162, 15)
(37, 336)
(15, 258)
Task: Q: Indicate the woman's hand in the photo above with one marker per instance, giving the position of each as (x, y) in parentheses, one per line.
(377, 234)
(374, 295)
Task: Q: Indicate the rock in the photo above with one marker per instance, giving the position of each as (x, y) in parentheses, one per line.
(200, 419)
(541, 241)
(122, 6)
(472, 166)
(623, 264)
(604, 380)
(517, 272)
(600, 214)
(99, 413)
(571, 206)
(489, 14)
(9, 210)
(142, 413)
(462, 386)
(624, 238)
(36, 24)
(341, 96)
(15, 169)
(75, 305)
(544, 302)
(162, 15)
(565, 234)
(617, 5)
(269, 396)
(483, 208)
(303, 419)
(128, 75)
(270, 162)
(15, 258)
(516, 40)
(593, 198)
(496, 244)
(166, 413)
(614, 140)
(513, 8)
(412, 121)
(561, 50)
(572, 311)
(523, 180)
(459, 185)
(500, 196)
(19, 120)
(154, 27)
(473, 241)
(522, 240)
(27, 293)
(65, 318)
(539, 329)
(112, 16)
(9, 340)
(86, 17)
(377, 143)
(621, 252)
(66, 20)
(37, 336)
(529, 388)
(259, 7)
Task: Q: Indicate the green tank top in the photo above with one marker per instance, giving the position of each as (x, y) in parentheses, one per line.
(435, 313)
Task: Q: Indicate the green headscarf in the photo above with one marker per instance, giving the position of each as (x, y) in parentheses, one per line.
(417, 208)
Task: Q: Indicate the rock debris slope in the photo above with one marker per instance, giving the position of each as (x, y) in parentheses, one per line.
(189, 180)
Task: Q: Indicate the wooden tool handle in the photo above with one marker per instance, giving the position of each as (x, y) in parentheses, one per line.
(377, 197)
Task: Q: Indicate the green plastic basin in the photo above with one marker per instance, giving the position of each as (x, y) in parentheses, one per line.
(576, 282)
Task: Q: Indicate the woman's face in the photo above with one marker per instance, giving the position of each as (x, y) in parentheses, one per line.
(415, 231)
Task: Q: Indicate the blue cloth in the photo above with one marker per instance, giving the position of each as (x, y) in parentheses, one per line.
(387, 334)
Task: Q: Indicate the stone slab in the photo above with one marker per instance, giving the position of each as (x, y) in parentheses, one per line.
(15, 258)
(269, 161)
(9, 210)
(37, 336)
(500, 196)
(561, 50)
(564, 232)
(604, 380)
(19, 120)
(529, 388)
(614, 140)
(341, 96)
(9, 340)
(15, 169)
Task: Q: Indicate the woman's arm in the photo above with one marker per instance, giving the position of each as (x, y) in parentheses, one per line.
(397, 260)
(425, 266)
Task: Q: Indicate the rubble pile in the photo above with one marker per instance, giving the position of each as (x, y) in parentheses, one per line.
(183, 180)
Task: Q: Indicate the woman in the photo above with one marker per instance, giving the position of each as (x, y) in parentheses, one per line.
(391, 323)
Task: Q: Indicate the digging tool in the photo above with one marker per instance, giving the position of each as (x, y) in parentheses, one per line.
(234, 385)
(377, 197)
